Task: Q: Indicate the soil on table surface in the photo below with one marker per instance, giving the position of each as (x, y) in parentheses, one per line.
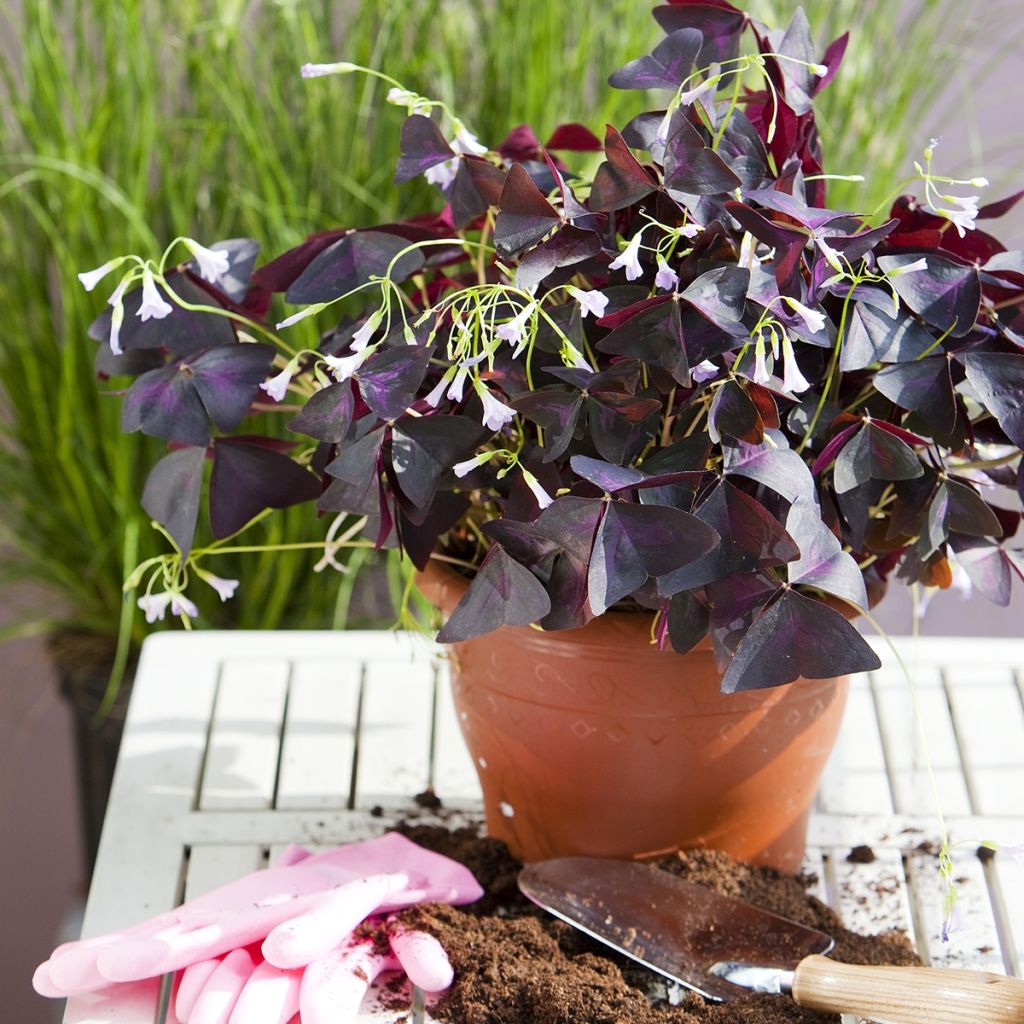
(515, 964)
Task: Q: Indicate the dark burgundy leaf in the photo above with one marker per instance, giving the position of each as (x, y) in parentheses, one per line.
(968, 513)
(568, 246)
(620, 181)
(477, 187)
(875, 337)
(999, 207)
(735, 602)
(420, 540)
(874, 454)
(637, 541)
(522, 542)
(720, 295)
(832, 450)
(751, 539)
(227, 379)
(171, 494)
(904, 435)
(557, 411)
(691, 166)
(832, 59)
(788, 243)
(608, 477)
(797, 637)
(182, 331)
(163, 403)
(571, 523)
(132, 363)
(987, 566)
(654, 335)
(327, 414)
(667, 67)
(998, 380)
(424, 447)
(567, 592)
(945, 295)
(687, 622)
(856, 246)
(524, 215)
(733, 414)
(350, 263)
(822, 563)
(422, 147)
(621, 424)
(503, 593)
(390, 378)
(358, 463)
(279, 273)
(923, 386)
(575, 138)
(247, 479)
(719, 22)
(779, 468)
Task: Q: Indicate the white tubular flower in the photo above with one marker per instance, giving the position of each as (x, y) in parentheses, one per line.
(341, 67)
(277, 387)
(814, 320)
(458, 383)
(225, 588)
(748, 250)
(629, 259)
(154, 605)
(831, 256)
(301, 315)
(543, 498)
(181, 605)
(821, 70)
(962, 218)
(342, 367)
(515, 330)
(413, 102)
(117, 294)
(461, 469)
(116, 319)
(153, 304)
(657, 149)
(213, 263)
(466, 142)
(572, 356)
(442, 174)
(496, 413)
(666, 278)
(594, 301)
(362, 337)
(707, 370)
(761, 374)
(435, 396)
(792, 379)
(710, 84)
(910, 268)
(91, 278)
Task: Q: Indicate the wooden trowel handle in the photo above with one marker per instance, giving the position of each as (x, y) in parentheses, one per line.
(909, 995)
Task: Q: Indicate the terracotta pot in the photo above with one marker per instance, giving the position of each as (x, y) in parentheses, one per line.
(591, 741)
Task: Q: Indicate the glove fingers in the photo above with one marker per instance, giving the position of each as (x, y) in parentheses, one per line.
(116, 1004)
(291, 855)
(221, 991)
(73, 969)
(314, 934)
(190, 985)
(421, 956)
(333, 988)
(44, 984)
(270, 996)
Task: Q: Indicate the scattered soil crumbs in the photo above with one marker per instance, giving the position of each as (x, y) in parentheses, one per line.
(514, 964)
(861, 855)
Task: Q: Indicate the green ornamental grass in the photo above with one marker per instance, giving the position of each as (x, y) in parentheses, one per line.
(124, 123)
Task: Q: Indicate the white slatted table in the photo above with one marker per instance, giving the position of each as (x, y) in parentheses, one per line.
(238, 743)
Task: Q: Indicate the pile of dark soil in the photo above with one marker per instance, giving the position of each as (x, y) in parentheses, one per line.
(514, 964)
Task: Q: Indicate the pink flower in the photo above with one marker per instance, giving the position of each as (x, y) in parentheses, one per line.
(154, 605)
(277, 387)
(594, 301)
(225, 588)
(181, 605)
(514, 331)
(442, 174)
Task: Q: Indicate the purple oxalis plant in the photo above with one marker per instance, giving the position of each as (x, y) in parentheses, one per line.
(686, 385)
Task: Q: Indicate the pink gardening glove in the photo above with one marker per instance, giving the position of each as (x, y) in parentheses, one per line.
(244, 989)
(294, 913)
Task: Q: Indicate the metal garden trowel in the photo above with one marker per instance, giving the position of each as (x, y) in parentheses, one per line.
(720, 947)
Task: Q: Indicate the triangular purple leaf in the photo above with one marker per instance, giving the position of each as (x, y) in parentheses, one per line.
(876, 337)
(797, 637)
(524, 215)
(620, 181)
(691, 166)
(945, 295)
(874, 454)
(390, 378)
(822, 563)
(502, 593)
(171, 494)
(422, 449)
(327, 414)
(923, 386)
(422, 146)
(998, 380)
(666, 68)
